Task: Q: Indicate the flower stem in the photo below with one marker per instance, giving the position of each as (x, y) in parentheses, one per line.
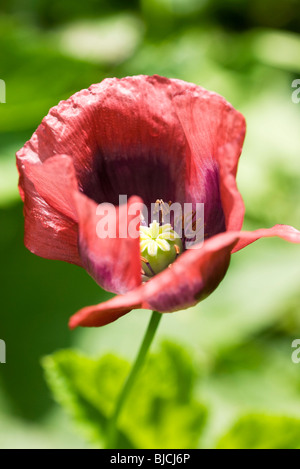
(149, 335)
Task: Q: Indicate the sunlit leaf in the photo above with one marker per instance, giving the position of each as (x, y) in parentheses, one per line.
(263, 432)
(161, 411)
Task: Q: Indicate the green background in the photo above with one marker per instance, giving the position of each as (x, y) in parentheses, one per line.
(221, 374)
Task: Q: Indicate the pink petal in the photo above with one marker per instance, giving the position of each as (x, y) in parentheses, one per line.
(55, 181)
(113, 262)
(194, 275)
(50, 231)
(215, 133)
(282, 231)
(111, 128)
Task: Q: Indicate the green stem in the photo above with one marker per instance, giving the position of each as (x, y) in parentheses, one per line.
(149, 335)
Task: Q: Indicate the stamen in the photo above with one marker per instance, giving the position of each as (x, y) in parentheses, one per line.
(143, 259)
(177, 249)
(162, 209)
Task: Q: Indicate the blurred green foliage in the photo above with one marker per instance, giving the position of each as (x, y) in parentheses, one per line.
(234, 385)
(161, 411)
(263, 431)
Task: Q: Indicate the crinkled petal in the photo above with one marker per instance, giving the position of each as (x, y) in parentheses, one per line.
(113, 261)
(111, 129)
(55, 181)
(50, 225)
(194, 275)
(215, 133)
(174, 131)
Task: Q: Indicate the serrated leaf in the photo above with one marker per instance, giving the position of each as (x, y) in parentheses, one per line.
(161, 411)
(84, 387)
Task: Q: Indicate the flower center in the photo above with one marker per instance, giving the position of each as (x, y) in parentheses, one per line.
(160, 245)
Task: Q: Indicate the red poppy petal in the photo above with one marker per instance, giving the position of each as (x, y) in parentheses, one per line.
(108, 130)
(172, 129)
(215, 133)
(197, 273)
(48, 232)
(282, 231)
(140, 110)
(55, 181)
(107, 312)
(190, 279)
(114, 262)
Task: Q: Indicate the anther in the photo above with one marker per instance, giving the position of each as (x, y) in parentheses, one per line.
(177, 249)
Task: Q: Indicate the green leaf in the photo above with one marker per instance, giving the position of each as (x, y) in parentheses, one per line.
(262, 432)
(163, 403)
(87, 389)
(160, 412)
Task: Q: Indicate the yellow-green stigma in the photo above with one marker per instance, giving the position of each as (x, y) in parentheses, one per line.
(160, 246)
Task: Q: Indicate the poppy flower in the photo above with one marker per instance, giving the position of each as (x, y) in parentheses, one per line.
(150, 138)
